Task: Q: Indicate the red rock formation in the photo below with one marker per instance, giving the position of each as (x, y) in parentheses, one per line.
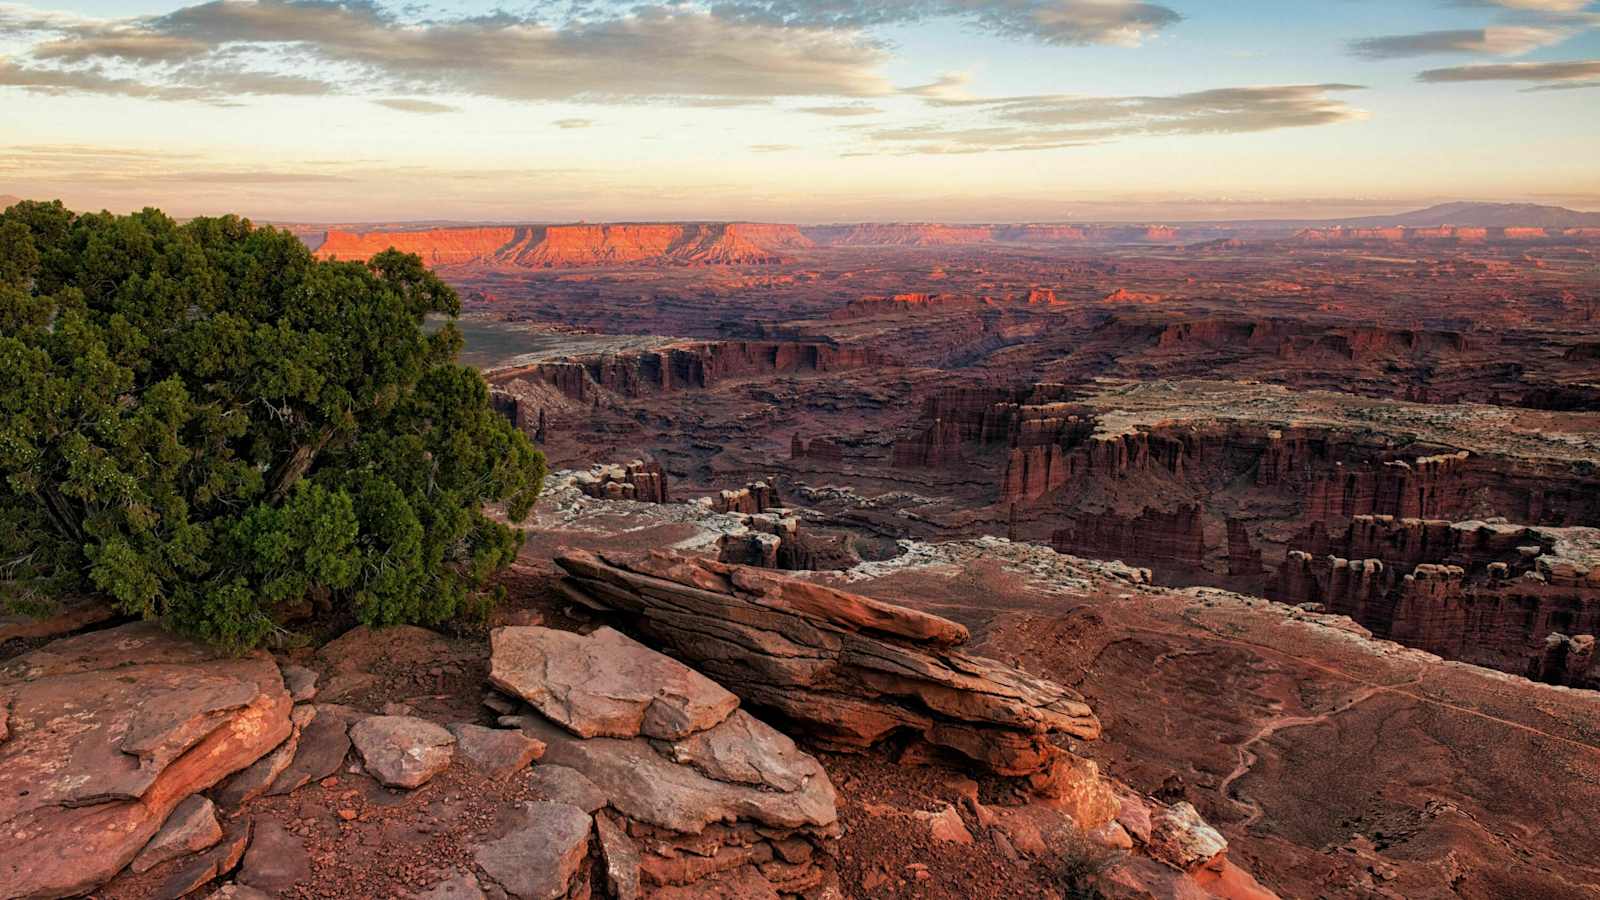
(851, 670)
(758, 496)
(643, 481)
(684, 366)
(1175, 536)
(820, 449)
(1243, 559)
(437, 246)
(575, 246)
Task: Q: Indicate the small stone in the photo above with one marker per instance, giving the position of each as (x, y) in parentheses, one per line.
(347, 814)
(238, 892)
(946, 825)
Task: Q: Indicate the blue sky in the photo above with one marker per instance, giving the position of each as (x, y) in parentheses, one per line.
(806, 110)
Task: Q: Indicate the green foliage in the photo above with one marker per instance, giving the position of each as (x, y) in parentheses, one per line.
(213, 427)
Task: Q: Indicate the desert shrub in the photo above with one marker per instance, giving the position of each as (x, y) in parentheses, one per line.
(1083, 863)
(211, 426)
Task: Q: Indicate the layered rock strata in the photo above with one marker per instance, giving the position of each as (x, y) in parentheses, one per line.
(851, 670)
(109, 732)
(682, 785)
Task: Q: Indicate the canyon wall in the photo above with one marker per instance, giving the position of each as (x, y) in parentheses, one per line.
(686, 366)
(576, 246)
(1508, 596)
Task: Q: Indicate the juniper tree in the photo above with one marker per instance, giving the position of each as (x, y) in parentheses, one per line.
(213, 427)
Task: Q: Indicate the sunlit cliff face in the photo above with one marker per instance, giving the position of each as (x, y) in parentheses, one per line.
(798, 111)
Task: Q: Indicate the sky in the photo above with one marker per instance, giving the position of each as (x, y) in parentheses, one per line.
(799, 110)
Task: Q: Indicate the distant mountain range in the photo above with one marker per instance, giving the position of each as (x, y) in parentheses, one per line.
(1479, 215)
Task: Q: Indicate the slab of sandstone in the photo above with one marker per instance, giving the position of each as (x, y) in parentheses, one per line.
(110, 732)
(542, 854)
(852, 670)
(496, 752)
(646, 785)
(605, 684)
(192, 827)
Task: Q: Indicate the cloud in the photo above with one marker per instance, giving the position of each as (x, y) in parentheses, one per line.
(771, 148)
(950, 87)
(840, 112)
(1554, 6)
(1064, 22)
(574, 123)
(1554, 72)
(643, 53)
(407, 104)
(1052, 121)
(1497, 41)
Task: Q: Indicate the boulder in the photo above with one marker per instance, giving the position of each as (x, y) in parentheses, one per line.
(69, 616)
(402, 751)
(542, 853)
(1180, 838)
(605, 684)
(849, 669)
(496, 752)
(192, 827)
(110, 732)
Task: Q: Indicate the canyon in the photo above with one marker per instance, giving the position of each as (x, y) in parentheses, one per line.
(922, 560)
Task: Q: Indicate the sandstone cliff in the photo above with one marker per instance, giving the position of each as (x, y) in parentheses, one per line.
(577, 246)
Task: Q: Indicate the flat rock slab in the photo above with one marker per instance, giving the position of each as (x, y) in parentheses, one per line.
(605, 684)
(641, 783)
(214, 863)
(402, 751)
(276, 860)
(745, 750)
(301, 682)
(192, 827)
(67, 618)
(256, 779)
(621, 857)
(496, 752)
(543, 852)
(461, 887)
(324, 743)
(110, 731)
(567, 785)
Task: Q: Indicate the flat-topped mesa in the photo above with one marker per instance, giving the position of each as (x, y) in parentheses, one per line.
(578, 246)
(850, 670)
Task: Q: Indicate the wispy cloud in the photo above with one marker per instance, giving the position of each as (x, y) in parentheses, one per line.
(1495, 41)
(643, 53)
(1550, 73)
(1051, 121)
(574, 123)
(412, 105)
